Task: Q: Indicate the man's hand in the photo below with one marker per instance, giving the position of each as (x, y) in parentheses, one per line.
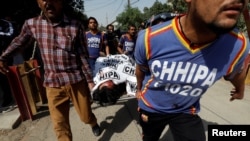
(238, 82)
(91, 85)
(125, 52)
(3, 67)
(138, 94)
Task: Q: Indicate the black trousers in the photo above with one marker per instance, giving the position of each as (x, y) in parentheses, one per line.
(184, 127)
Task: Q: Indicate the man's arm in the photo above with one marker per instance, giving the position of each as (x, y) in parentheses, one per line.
(3, 67)
(120, 45)
(238, 82)
(103, 45)
(119, 48)
(22, 41)
(87, 72)
(107, 49)
(140, 72)
(83, 57)
(106, 46)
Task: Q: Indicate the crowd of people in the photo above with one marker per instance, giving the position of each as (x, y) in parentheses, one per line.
(68, 54)
(176, 62)
(105, 43)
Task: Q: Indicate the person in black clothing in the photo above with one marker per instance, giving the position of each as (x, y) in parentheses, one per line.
(112, 39)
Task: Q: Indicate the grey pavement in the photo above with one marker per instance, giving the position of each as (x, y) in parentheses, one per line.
(119, 121)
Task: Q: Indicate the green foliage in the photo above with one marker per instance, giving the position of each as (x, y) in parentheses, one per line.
(155, 9)
(78, 5)
(241, 23)
(178, 6)
(21, 10)
(135, 16)
(129, 16)
(76, 9)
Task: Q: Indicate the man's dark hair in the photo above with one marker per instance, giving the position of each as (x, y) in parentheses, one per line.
(92, 18)
(107, 96)
(107, 27)
(131, 25)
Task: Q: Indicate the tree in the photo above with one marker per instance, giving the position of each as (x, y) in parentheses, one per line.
(136, 17)
(21, 10)
(157, 8)
(76, 9)
(129, 16)
(77, 5)
(242, 23)
(178, 6)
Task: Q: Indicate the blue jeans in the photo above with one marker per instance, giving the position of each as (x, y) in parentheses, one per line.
(92, 63)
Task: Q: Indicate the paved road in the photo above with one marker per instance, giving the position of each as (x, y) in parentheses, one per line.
(119, 121)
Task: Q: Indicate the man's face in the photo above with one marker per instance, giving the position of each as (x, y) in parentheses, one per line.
(217, 14)
(132, 31)
(92, 24)
(110, 29)
(52, 9)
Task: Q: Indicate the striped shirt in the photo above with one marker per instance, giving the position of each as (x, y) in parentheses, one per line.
(62, 46)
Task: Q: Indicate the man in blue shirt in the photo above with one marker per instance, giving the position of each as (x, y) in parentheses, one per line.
(95, 41)
(178, 60)
(127, 41)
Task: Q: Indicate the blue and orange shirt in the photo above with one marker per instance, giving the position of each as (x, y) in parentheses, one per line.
(178, 74)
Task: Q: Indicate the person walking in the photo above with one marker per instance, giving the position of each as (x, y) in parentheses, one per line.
(67, 76)
(112, 40)
(95, 41)
(127, 41)
(178, 60)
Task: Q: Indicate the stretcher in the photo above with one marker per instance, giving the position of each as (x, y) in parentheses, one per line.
(120, 69)
(26, 87)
